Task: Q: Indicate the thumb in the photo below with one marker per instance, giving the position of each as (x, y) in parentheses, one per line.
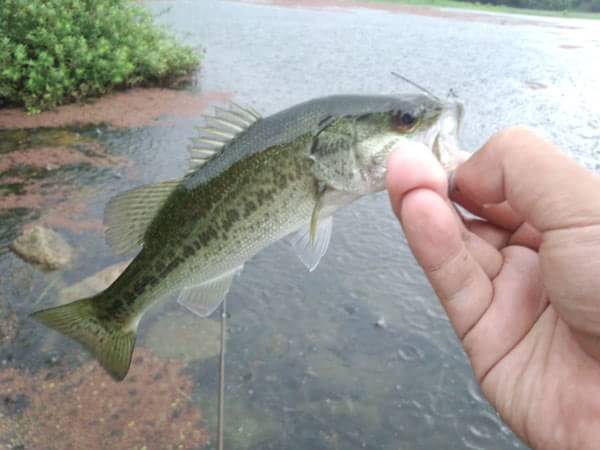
(410, 166)
(417, 186)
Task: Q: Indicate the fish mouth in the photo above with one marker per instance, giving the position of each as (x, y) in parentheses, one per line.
(445, 144)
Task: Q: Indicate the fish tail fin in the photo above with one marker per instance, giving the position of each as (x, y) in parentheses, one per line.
(109, 342)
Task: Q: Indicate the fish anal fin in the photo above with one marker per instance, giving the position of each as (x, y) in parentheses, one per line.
(128, 214)
(204, 298)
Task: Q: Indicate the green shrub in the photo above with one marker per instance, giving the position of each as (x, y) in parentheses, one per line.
(57, 51)
(590, 6)
(555, 5)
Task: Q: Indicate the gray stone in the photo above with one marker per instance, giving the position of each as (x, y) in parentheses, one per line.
(43, 247)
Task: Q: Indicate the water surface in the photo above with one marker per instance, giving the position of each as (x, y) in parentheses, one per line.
(307, 367)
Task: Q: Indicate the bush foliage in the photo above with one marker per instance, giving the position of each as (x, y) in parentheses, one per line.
(57, 51)
(555, 5)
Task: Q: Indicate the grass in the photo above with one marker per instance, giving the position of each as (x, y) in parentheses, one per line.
(495, 8)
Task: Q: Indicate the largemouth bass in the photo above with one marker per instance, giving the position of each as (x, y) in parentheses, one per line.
(252, 181)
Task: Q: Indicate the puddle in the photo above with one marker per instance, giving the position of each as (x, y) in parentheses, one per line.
(134, 108)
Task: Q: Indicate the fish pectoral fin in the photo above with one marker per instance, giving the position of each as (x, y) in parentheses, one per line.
(203, 299)
(314, 217)
(128, 214)
(310, 251)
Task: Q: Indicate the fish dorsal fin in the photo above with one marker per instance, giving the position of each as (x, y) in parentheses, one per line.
(203, 299)
(221, 128)
(128, 214)
(311, 245)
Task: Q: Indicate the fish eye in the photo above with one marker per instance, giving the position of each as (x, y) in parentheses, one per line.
(404, 121)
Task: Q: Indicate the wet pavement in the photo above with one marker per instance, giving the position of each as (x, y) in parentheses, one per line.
(307, 368)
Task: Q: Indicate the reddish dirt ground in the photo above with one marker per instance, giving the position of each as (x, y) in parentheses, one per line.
(133, 108)
(150, 409)
(60, 204)
(60, 207)
(418, 10)
(52, 157)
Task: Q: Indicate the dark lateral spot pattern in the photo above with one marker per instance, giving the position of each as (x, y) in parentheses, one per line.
(142, 284)
(282, 181)
(249, 208)
(265, 195)
(204, 237)
(171, 266)
(199, 223)
(231, 217)
(116, 306)
(159, 266)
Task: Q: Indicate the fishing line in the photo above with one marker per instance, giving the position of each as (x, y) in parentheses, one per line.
(412, 83)
(53, 280)
(220, 422)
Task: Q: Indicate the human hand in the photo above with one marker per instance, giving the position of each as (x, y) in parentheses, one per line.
(521, 286)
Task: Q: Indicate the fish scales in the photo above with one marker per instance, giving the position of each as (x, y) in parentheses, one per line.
(251, 204)
(290, 171)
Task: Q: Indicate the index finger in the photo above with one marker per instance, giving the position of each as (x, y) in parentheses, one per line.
(543, 186)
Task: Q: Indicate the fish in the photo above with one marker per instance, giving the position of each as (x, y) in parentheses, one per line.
(252, 181)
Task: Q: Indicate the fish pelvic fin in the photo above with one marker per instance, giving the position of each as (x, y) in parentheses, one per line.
(110, 343)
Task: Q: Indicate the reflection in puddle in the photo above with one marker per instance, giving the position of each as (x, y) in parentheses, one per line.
(47, 175)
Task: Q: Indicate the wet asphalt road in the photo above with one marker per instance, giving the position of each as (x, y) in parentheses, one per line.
(508, 70)
(307, 367)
